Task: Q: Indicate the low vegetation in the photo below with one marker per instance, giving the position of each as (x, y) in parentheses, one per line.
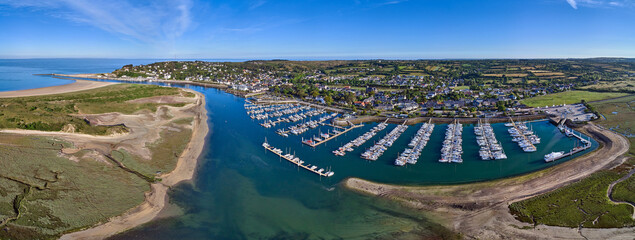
(59, 112)
(613, 86)
(581, 204)
(569, 97)
(625, 191)
(49, 187)
(619, 114)
(52, 194)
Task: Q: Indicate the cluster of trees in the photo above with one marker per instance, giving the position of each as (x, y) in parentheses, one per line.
(306, 90)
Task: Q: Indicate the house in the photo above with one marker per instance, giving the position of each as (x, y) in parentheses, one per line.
(385, 107)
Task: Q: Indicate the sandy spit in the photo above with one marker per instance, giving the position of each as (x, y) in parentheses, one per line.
(78, 85)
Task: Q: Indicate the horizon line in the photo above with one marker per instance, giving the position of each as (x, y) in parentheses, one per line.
(322, 59)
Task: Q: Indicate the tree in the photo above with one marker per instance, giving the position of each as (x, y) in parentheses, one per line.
(328, 99)
(349, 97)
(315, 93)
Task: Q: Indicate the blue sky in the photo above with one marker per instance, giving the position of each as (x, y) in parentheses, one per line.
(317, 29)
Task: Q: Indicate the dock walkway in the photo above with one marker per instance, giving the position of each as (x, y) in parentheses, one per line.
(298, 162)
(313, 143)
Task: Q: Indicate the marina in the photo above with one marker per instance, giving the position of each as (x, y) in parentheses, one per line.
(348, 147)
(295, 160)
(303, 127)
(486, 138)
(420, 150)
(524, 136)
(419, 141)
(325, 137)
(293, 118)
(374, 152)
(452, 145)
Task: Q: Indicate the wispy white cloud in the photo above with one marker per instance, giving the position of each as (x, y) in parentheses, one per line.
(256, 4)
(573, 4)
(157, 22)
(391, 2)
(601, 3)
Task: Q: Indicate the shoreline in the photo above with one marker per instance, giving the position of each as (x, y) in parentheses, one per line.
(480, 210)
(78, 85)
(97, 77)
(157, 198)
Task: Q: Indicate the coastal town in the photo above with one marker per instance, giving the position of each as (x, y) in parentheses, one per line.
(400, 88)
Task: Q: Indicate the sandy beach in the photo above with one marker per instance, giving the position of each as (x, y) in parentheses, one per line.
(480, 210)
(78, 85)
(101, 76)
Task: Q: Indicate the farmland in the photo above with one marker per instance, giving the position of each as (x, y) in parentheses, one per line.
(613, 86)
(569, 97)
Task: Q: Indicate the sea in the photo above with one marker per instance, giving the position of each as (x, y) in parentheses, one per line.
(241, 191)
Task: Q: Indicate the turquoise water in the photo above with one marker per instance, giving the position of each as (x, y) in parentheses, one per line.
(242, 192)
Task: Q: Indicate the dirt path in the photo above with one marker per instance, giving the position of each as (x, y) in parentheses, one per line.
(610, 191)
(78, 85)
(480, 210)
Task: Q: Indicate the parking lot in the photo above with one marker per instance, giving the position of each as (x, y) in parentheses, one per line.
(574, 112)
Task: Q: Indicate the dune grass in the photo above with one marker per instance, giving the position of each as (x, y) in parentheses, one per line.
(55, 112)
(165, 152)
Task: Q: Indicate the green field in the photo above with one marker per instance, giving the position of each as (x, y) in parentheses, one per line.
(55, 112)
(581, 204)
(569, 97)
(461, 88)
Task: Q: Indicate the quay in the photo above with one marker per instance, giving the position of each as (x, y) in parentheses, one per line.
(558, 155)
(297, 161)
